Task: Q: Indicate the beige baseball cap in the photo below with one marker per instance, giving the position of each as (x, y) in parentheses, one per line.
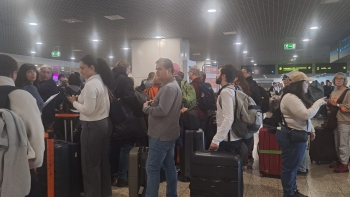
(299, 76)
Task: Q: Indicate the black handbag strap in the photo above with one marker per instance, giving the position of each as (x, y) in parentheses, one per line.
(285, 122)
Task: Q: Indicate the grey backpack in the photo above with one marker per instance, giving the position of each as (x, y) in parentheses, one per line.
(248, 117)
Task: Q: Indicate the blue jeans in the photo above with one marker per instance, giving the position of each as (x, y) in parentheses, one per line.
(292, 154)
(125, 149)
(161, 155)
(303, 164)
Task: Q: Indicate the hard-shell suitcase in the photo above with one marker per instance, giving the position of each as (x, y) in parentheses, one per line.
(216, 174)
(322, 148)
(137, 171)
(270, 154)
(137, 176)
(194, 141)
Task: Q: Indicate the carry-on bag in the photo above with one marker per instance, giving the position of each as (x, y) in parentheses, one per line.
(270, 154)
(216, 174)
(194, 141)
(322, 148)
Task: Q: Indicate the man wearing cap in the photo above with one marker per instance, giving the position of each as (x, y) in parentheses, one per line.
(297, 112)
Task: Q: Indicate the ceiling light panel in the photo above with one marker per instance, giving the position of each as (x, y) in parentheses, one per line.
(114, 17)
(72, 20)
(229, 33)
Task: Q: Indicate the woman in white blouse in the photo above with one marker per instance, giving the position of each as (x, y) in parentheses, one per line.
(93, 105)
(297, 112)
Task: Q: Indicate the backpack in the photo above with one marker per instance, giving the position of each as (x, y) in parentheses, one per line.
(140, 98)
(314, 92)
(4, 98)
(207, 101)
(265, 100)
(248, 117)
(188, 95)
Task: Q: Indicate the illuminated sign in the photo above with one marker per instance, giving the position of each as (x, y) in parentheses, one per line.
(305, 68)
(331, 68)
(344, 48)
(289, 46)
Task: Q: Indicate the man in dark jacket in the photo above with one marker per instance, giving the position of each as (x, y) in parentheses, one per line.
(46, 88)
(254, 87)
(123, 87)
(327, 89)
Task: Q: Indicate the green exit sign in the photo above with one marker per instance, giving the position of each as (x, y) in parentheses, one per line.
(56, 54)
(289, 46)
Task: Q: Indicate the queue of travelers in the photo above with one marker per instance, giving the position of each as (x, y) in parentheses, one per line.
(29, 88)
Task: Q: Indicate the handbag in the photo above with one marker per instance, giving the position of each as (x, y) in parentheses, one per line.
(295, 135)
(190, 120)
(331, 122)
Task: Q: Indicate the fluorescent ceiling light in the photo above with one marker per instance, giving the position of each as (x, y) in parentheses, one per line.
(255, 64)
(95, 40)
(114, 17)
(207, 59)
(238, 43)
(33, 52)
(36, 65)
(211, 10)
(196, 54)
(229, 33)
(158, 37)
(245, 51)
(111, 57)
(306, 40)
(72, 58)
(77, 50)
(39, 43)
(314, 27)
(252, 61)
(295, 56)
(126, 48)
(33, 24)
(72, 20)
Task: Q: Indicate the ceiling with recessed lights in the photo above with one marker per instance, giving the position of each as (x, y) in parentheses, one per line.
(216, 29)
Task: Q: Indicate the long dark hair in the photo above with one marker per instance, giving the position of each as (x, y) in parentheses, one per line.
(101, 67)
(243, 83)
(21, 79)
(297, 89)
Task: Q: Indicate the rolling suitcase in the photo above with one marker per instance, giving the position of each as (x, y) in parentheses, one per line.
(193, 141)
(270, 154)
(322, 148)
(137, 171)
(137, 175)
(216, 174)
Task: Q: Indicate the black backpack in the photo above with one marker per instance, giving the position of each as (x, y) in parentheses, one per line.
(207, 101)
(265, 100)
(4, 96)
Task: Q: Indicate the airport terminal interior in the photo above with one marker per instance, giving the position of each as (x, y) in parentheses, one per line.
(269, 41)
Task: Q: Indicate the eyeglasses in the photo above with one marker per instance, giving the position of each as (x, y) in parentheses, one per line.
(339, 78)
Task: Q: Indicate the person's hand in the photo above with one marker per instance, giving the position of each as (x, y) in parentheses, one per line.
(312, 136)
(214, 121)
(332, 103)
(213, 147)
(31, 164)
(72, 98)
(183, 110)
(147, 103)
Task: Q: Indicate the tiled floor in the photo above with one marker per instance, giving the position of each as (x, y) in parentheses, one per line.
(320, 182)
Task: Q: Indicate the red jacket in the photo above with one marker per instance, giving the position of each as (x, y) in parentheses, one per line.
(195, 83)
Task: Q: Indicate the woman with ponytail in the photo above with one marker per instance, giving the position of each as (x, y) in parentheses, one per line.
(93, 105)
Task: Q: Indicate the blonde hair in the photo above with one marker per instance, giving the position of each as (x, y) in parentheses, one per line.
(195, 71)
(46, 66)
(345, 83)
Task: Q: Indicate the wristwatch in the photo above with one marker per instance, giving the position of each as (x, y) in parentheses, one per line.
(338, 105)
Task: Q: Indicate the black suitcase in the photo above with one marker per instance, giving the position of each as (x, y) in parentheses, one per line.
(322, 149)
(216, 174)
(67, 169)
(137, 176)
(193, 141)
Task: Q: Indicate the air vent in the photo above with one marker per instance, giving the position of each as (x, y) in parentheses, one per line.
(196, 54)
(114, 17)
(72, 20)
(229, 33)
(77, 50)
(330, 1)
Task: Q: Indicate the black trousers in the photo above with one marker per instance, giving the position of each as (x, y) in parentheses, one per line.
(94, 157)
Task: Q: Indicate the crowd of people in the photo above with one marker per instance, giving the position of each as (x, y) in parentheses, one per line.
(103, 158)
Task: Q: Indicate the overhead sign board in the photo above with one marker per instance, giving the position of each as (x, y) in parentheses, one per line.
(211, 72)
(331, 68)
(56, 54)
(289, 46)
(344, 48)
(306, 68)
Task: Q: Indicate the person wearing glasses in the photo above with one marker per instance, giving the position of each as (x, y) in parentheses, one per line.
(342, 133)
